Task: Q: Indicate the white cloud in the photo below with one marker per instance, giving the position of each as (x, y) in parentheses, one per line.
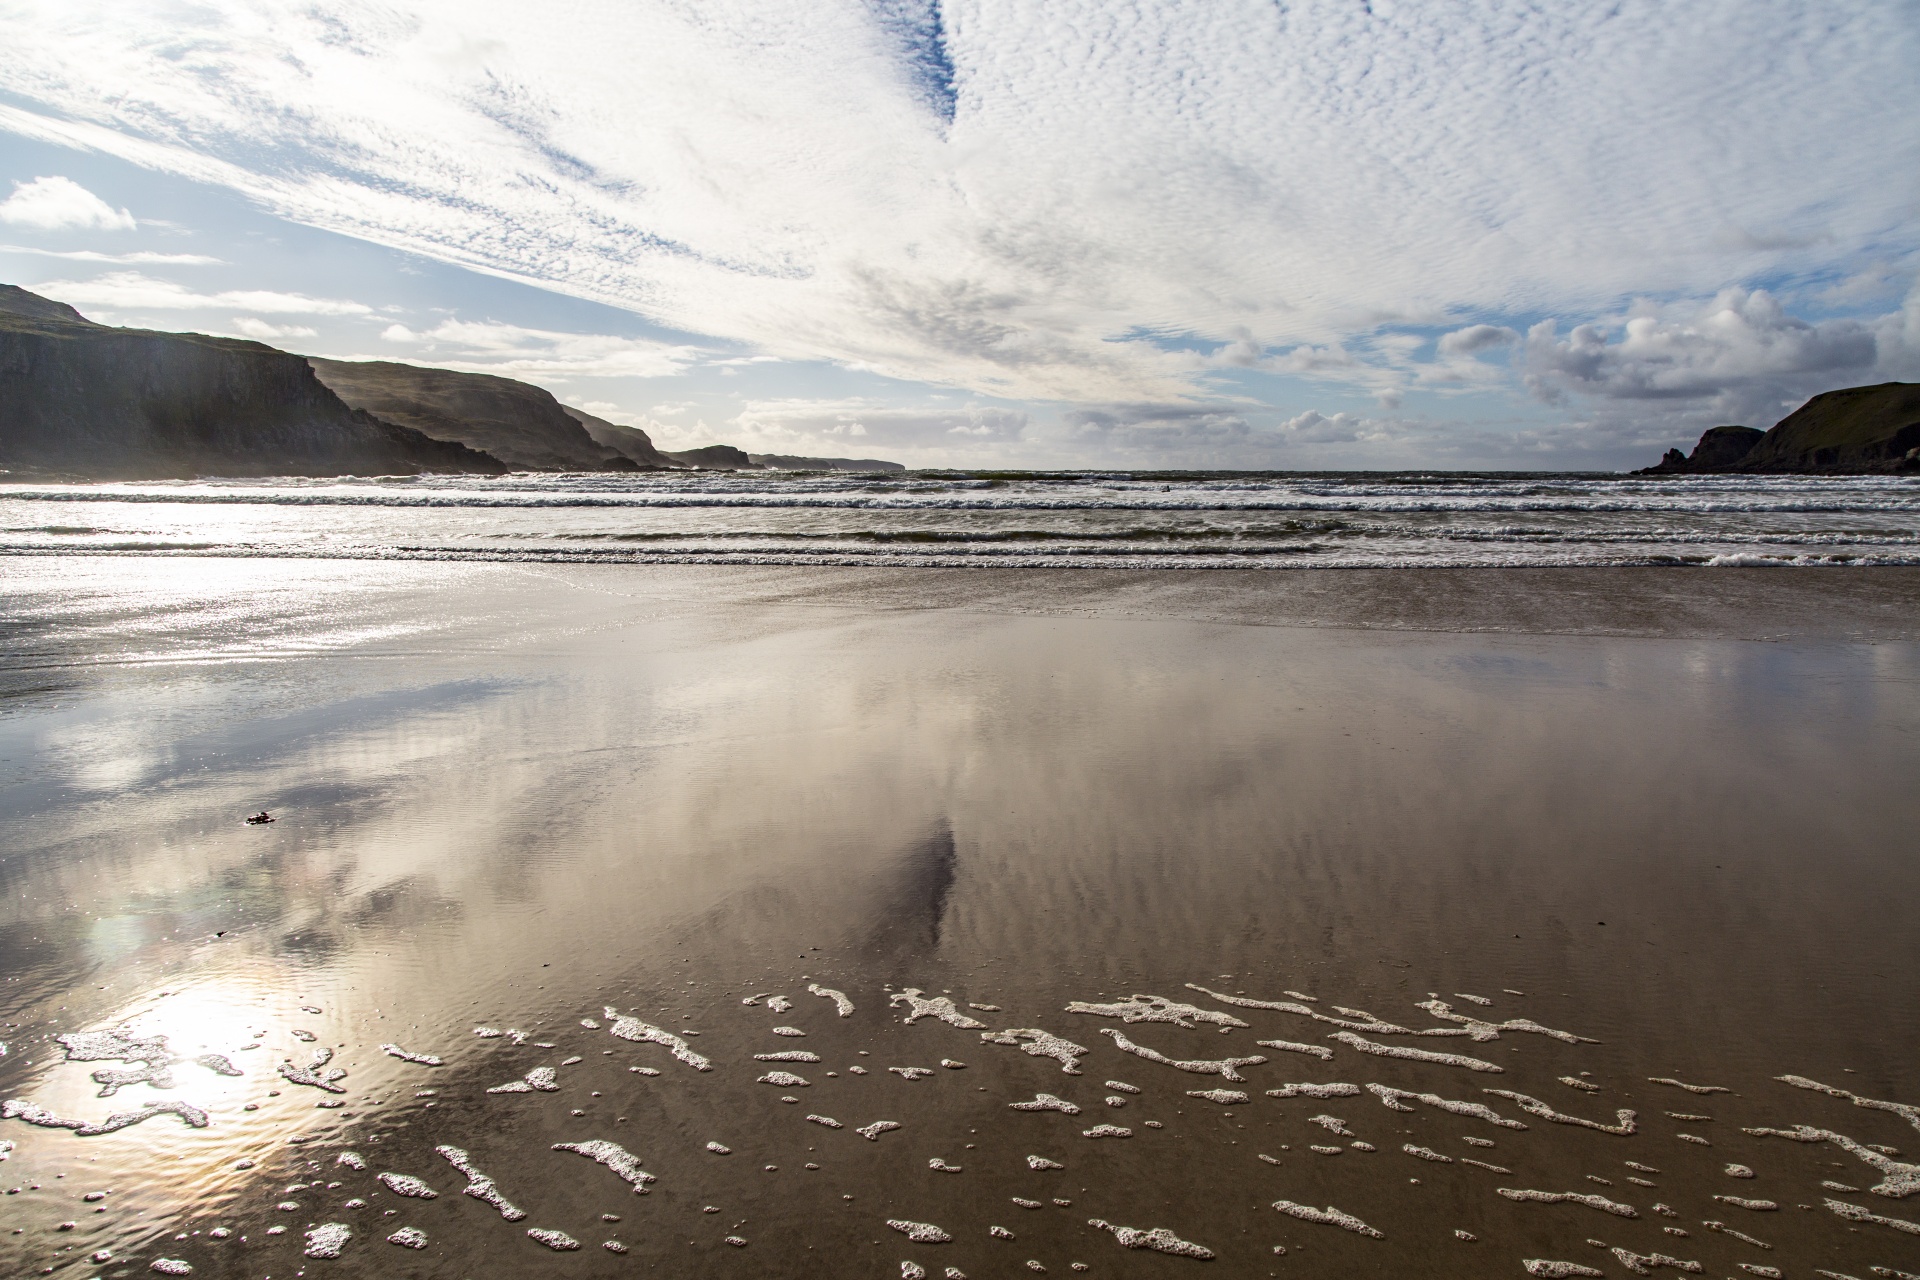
(61, 204)
(1030, 203)
(511, 350)
(835, 426)
(1743, 352)
(254, 327)
(1476, 338)
(141, 258)
(132, 291)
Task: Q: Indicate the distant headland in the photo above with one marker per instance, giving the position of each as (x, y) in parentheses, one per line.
(85, 401)
(1857, 431)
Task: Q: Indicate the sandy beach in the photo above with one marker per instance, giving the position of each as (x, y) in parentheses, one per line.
(629, 817)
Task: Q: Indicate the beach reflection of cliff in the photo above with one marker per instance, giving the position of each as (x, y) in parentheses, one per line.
(909, 898)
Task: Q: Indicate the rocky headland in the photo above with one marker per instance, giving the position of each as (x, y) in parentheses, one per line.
(86, 401)
(1856, 431)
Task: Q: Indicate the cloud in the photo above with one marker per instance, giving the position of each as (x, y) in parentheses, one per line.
(506, 349)
(132, 291)
(802, 425)
(1062, 201)
(61, 204)
(254, 327)
(141, 258)
(1743, 351)
(1476, 338)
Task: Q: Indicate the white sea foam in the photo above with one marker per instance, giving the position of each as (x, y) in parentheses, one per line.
(113, 1079)
(633, 1029)
(1642, 1264)
(779, 1004)
(911, 1073)
(953, 1064)
(1290, 1046)
(1694, 1138)
(1328, 1151)
(405, 1184)
(1227, 1068)
(1482, 1164)
(793, 1033)
(1332, 1124)
(1548, 1269)
(1226, 1097)
(327, 1239)
(1106, 1131)
(920, 1005)
(422, 1059)
(1394, 1099)
(316, 1074)
(1910, 1114)
(1037, 1163)
(409, 1238)
(171, 1266)
(1040, 1044)
(1625, 1125)
(1726, 1230)
(783, 1080)
(1159, 1240)
(1139, 1008)
(1481, 1030)
(941, 1166)
(479, 1185)
(1860, 1213)
(919, 1232)
(1328, 1216)
(1026, 1204)
(789, 1055)
(1480, 1142)
(841, 1004)
(622, 1163)
(351, 1159)
(1335, 1090)
(719, 1149)
(912, 1271)
(20, 1109)
(828, 1121)
(558, 1241)
(540, 1079)
(1413, 1055)
(873, 1131)
(1426, 1153)
(1898, 1180)
(1575, 1082)
(118, 1045)
(1741, 1203)
(1571, 1197)
(1690, 1088)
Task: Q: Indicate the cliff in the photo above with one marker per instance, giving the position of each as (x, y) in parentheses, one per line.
(629, 442)
(84, 400)
(522, 425)
(1855, 431)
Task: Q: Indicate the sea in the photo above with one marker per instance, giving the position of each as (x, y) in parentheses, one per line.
(953, 519)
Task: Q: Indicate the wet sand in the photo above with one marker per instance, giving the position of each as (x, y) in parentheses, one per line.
(514, 798)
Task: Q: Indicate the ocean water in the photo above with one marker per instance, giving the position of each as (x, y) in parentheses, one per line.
(1128, 520)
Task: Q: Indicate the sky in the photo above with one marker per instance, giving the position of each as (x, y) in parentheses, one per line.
(981, 233)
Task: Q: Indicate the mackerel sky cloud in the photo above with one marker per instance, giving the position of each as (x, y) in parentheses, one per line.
(1575, 228)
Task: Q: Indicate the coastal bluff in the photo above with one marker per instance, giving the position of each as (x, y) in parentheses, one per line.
(1856, 431)
(80, 400)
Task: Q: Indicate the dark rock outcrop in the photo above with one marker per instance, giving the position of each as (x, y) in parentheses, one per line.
(522, 425)
(1718, 450)
(84, 400)
(1860, 429)
(789, 462)
(628, 442)
(1855, 431)
(715, 457)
